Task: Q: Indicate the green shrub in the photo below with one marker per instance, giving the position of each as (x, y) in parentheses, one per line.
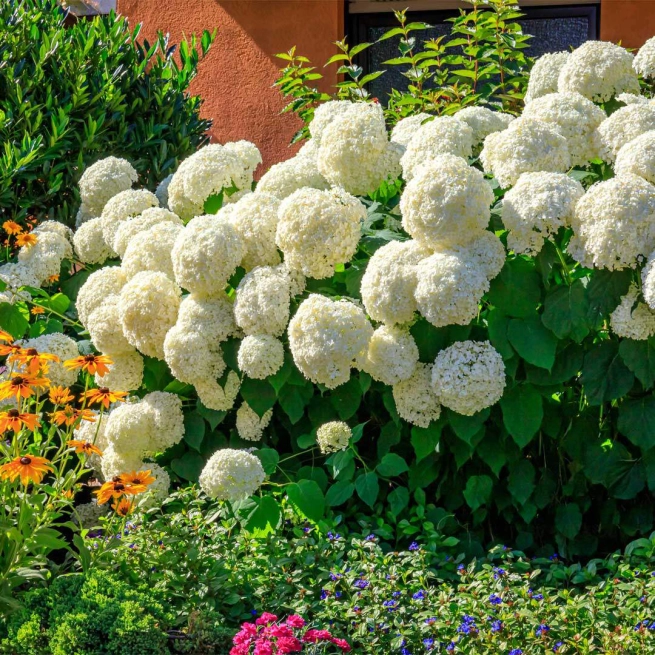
(92, 614)
(72, 95)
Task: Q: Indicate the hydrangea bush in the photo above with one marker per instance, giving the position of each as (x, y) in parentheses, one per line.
(462, 306)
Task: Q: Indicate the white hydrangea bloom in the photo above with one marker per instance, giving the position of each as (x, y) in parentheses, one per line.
(189, 356)
(483, 121)
(297, 281)
(318, 229)
(446, 204)
(648, 281)
(148, 308)
(623, 126)
(633, 319)
(449, 289)
(211, 170)
(254, 217)
(56, 227)
(90, 244)
(105, 328)
(326, 336)
(157, 490)
(88, 514)
(444, 135)
(262, 301)
(83, 215)
(260, 356)
(150, 250)
(392, 355)
(44, 258)
(632, 99)
(232, 475)
(162, 191)
(115, 462)
(63, 347)
(575, 117)
(545, 75)
(416, 401)
(405, 128)
(526, 146)
(486, 252)
(169, 420)
(644, 62)
(214, 396)
(333, 436)
(537, 207)
(599, 70)
(614, 223)
(123, 206)
(130, 430)
(468, 376)
(249, 426)
(18, 275)
(103, 180)
(282, 179)
(100, 284)
(324, 115)
(390, 280)
(129, 229)
(206, 253)
(638, 157)
(212, 317)
(355, 152)
(125, 372)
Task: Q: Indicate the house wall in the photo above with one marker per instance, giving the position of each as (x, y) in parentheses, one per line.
(236, 76)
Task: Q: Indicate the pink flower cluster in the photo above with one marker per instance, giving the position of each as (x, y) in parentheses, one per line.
(270, 637)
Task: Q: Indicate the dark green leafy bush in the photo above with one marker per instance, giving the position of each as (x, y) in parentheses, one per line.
(72, 95)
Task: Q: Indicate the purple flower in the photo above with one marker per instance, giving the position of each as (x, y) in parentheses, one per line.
(495, 600)
(324, 594)
(542, 630)
(496, 625)
(414, 546)
(419, 595)
(557, 646)
(371, 537)
(516, 651)
(362, 584)
(498, 572)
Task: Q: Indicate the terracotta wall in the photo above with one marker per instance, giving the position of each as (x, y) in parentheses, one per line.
(630, 22)
(236, 77)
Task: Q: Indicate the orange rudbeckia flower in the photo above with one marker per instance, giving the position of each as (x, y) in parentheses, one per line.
(21, 386)
(26, 239)
(85, 447)
(92, 364)
(122, 507)
(29, 468)
(60, 395)
(115, 488)
(11, 227)
(14, 420)
(9, 348)
(104, 397)
(69, 415)
(32, 360)
(138, 478)
(5, 336)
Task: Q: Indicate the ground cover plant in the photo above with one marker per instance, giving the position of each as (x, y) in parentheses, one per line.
(73, 94)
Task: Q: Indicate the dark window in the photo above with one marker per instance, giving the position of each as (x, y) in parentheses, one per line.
(553, 29)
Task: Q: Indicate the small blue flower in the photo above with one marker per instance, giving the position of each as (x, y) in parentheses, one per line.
(542, 630)
(496, 625)
(516, 651)
(253, 612)
(495, 599)
(431, 620)
(419, 595)
(362, 584)
(429, 642)
(499, 572)
(395, 594)
(404, 651)
(371, 537)
(537, 596)
(460, 567)
(414, 546)
(450, 647)
(557, 646)
(554, 557)
(390, 605)
(335, 576)
(324, 594)
(337, 594)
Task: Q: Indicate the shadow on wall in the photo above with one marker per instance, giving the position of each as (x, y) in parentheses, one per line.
(236, 77)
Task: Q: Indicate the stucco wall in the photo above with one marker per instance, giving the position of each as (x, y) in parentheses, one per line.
(236, 77)
(630, 22)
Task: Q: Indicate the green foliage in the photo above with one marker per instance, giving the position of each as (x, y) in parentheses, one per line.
(481, 63)
(75, 94)
(198, 556)
(93, 614)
